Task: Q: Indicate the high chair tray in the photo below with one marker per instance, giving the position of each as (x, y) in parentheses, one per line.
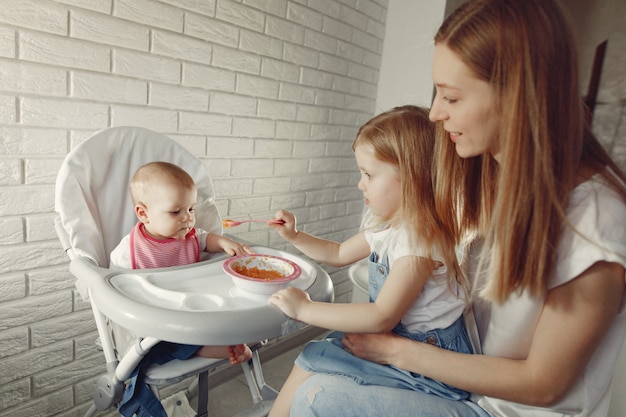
(198, 303)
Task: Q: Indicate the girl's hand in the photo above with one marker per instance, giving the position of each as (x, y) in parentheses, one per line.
(232, 247)
(291, 301)
(287, 229)
(239, 353)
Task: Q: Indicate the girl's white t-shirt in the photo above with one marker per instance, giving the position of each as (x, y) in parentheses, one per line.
(599, 216)
(439, 305)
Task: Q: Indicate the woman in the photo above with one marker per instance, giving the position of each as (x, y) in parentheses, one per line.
(549, 207)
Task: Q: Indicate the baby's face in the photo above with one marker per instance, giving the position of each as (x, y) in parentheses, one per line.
(171, 212)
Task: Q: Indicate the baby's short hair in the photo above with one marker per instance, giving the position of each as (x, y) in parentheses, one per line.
(157, 173)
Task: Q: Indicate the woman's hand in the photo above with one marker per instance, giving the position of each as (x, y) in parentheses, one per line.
(291, 301)
(374, 347)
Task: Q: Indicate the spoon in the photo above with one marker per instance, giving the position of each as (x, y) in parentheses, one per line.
(232, 223)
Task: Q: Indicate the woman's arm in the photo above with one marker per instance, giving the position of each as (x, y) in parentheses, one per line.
(574, 320)
(403, 285)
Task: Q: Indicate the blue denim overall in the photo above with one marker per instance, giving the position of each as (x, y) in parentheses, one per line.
(328, 356)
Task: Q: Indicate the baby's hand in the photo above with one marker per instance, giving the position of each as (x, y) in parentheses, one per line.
(291, 301)
(285, 224)
(233, 248)
(239, 353)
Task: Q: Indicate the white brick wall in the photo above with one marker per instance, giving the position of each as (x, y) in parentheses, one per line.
(268, 93)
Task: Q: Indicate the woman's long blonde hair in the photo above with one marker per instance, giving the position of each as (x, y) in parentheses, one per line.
(405, 138)
(525, 50)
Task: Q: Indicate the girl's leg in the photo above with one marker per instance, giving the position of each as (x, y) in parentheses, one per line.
(282, 404)
(324, 395)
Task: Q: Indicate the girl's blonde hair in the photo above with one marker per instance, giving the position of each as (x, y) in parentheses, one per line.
(526, 51)
(405, 138)
(154, 174)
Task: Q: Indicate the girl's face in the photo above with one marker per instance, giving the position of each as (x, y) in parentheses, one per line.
(169, 212)
(464, 104)
(380, 182)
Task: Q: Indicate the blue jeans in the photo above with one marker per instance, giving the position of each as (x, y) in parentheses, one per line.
(324, 395)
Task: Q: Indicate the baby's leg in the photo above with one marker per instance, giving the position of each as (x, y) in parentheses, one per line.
(282, 404)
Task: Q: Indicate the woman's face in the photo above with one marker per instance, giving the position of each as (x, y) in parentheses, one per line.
(464, 104)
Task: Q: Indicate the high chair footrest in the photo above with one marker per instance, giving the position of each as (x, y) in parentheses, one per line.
(176, 370)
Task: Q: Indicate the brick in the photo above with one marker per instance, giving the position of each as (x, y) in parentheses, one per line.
(211, 30)
(291, 167)
(305, 16)
(323, 131)
(160, 120)
(257, 167)
(195, 75)
(22, 200)
(284, 30)
(236, 60)
(99, 28)
(276, 7)
(229, 147)
(315, 78)
(28, 256)
(320, 42)
(181, 47)
(296, 93)
(261, 44)
(23, 77)
(275, 110)
(350, 51)
(150, 13)
(8, 109)
(63, 113)
(146, 67)
(203, 123)
(336, 28)
(312, 114)
(176, 97)
(12, 287)
(46, 406)
(301, 55)
(233, 104)
(102, 6)
(41, 171)
(108, 88)
(12, 394)
(292, 130)
(240, 15)
(11, 173)
(7, 43)
(279, 70)
(253, 128)
(52, 279)
(42, 16)
(333, 64)
(270, 185)
(273, 148)
(308, 182)
(310, 149)
(228, 187)
(62, 328)
(65, 375)
(39, 227)
(256, 86)
(251, 206)
(206, 7)
(323, 165)
(62, 51)
(24, 141)
(35, 360)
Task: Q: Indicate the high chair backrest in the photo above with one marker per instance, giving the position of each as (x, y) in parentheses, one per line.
(92, 196)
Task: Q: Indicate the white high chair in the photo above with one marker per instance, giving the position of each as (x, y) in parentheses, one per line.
(172, 304)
